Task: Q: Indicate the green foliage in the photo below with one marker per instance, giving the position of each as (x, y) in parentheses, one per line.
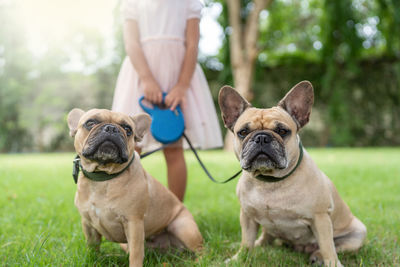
(349, 50)
(40, 225)
(389, 15)
(340, 53)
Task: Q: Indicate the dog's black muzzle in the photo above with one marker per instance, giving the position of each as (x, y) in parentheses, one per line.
(262, 150)
(106, 145)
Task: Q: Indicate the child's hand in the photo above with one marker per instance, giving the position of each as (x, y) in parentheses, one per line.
(176, 96)
(152, 91)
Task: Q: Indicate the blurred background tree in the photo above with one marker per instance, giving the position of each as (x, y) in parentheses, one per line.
(348, 49)
(345, 48)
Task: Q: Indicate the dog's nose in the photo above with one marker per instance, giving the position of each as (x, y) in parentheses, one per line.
(109, 128)
(262, 138)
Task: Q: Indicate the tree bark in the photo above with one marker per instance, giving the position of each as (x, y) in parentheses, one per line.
(243, 49)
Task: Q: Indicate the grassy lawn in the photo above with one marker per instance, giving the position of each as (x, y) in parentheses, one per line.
(40, 226)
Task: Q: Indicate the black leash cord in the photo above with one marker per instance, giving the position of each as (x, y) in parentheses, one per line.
(204, 167)
(198, 159)
(142, 156)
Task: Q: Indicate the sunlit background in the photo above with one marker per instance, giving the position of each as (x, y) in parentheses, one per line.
(59, 54)
(69, 25)
(66, 53)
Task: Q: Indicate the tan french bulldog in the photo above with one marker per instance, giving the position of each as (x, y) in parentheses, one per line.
(133, 205)
(281, 188)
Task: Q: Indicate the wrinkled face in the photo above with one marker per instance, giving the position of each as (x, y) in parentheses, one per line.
(106, 137)
(263, 138)
(266, 139)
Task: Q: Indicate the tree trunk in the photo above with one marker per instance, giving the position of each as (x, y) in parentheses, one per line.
(243, 49)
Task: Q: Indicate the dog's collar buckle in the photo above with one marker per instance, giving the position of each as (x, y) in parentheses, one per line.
(75, 168)
(94, 176)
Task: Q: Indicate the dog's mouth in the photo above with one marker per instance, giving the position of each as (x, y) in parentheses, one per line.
(262, 162)
(261, 156)
(263, 159)
(106, 149)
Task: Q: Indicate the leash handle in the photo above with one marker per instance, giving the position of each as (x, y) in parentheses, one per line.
(167, 125)
(155, 107)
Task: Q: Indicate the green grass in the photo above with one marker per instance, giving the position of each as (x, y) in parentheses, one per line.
(40, 226)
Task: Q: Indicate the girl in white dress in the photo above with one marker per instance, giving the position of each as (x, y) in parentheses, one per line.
(161, 40)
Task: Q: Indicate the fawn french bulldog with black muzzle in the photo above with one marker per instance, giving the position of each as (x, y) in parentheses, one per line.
(115, 196)
(281, 188)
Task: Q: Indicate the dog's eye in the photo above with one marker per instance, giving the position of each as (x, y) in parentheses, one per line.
(242, 133)
(127, 129)
(282, 132)
(90, 123)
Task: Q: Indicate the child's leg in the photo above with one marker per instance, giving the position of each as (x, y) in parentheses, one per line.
(177, 174)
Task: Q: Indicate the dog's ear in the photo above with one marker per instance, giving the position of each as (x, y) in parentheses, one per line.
(298, 102)
(142, 124)
(73, 120)
(232, 105)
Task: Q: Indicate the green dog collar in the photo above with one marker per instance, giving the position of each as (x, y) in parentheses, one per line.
(95, 176)
(272, 179)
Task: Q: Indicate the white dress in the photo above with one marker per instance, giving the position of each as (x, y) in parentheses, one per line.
(162, 25)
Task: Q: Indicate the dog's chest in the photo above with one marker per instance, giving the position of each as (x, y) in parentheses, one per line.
(102, 216)
(282, 215)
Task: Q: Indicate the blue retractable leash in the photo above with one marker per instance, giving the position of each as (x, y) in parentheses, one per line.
(168, 126)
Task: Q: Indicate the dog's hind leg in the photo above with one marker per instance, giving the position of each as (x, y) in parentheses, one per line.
(185, 229)
(354, 237)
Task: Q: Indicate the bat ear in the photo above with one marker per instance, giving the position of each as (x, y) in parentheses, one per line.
(298, 102)
(232, 105)
(73, 119)
(142, 124)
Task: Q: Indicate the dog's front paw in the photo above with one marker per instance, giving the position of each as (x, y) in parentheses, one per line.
(260, 243)
(332, 263)
(317, 260)
(232, 259)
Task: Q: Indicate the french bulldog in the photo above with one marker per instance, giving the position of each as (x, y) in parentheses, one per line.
(281, 189)
(132, 205)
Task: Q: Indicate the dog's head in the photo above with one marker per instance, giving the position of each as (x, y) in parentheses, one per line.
(105, 140)
(265, 140)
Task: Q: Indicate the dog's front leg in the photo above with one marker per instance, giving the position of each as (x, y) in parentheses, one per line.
(249, 230)
(93, 238)
(323, 231)
(249, 234)
(264, 238)
(134, 231)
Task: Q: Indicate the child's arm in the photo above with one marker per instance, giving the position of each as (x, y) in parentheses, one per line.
(177, 94)
(152, 91)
